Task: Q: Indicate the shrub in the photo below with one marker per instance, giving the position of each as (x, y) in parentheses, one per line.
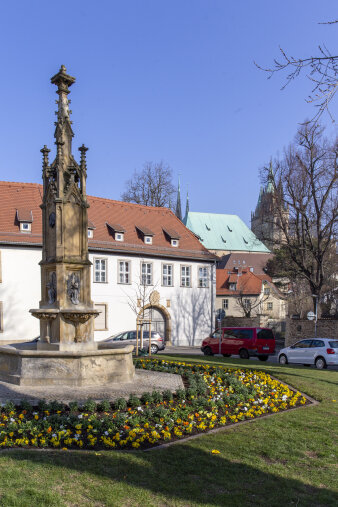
(167, 395)
(104, 406)
(73, 406)
(157, 397)
(146, 398)
(120, 404)
(134, 401)
(89, 406)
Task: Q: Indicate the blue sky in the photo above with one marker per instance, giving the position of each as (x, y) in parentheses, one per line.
(159, 80)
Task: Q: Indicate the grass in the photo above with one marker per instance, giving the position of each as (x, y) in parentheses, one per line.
(287, 459)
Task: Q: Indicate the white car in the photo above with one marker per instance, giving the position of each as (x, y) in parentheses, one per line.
(321, 352)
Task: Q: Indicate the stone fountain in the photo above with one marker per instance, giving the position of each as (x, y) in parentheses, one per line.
(66, 353)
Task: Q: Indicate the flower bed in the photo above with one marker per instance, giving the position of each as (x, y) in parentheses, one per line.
(213, 397)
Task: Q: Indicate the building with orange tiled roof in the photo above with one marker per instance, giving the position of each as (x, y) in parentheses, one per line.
(128, 244)
(240, 292)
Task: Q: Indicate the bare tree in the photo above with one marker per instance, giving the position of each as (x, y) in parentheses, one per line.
(139, 299)
(306, 206)
(250, 305)
(152, 186)
(322, 71)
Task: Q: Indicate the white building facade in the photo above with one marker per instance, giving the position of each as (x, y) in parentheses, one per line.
(174, 282)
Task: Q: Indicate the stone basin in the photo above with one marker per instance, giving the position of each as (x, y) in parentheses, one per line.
(24, 364)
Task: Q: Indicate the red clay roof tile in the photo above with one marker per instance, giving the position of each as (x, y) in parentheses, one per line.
(29, 195)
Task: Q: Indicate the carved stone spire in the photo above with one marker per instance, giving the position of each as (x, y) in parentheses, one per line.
(45, 162)
(63, 131)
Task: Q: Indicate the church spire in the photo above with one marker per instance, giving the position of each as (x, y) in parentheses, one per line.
(270, 185)
(178, 211)
(186, 209)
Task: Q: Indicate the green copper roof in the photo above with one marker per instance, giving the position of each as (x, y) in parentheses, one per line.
(223, 232)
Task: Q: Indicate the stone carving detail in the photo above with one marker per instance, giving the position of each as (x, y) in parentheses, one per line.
(154, 297)
(73, 288)
(52, 219)
(51, 288)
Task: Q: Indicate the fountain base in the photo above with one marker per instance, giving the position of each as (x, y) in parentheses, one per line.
(29, 365)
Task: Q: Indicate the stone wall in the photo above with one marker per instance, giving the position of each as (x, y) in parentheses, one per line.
(257, 321)
(296, 329)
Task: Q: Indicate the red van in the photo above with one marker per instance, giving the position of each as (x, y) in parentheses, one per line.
(242, 341)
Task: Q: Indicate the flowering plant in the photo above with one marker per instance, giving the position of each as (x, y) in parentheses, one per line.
(214, 397)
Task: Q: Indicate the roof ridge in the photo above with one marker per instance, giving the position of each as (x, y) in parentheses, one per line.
(16, 183)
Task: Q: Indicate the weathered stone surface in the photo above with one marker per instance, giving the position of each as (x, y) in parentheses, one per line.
(297, 329)
(144, 381)
(33, 367)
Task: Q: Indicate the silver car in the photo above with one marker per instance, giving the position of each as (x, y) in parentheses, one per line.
(129, 337)
(321, 352)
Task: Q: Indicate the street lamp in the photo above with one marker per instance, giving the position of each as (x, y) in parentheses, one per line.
(316, 312)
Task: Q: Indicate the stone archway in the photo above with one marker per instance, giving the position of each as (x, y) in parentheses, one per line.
(159, 310)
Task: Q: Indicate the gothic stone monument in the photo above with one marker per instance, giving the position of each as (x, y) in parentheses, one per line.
(66, 352)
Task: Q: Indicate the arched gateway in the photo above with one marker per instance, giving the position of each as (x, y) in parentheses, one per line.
(160, 319)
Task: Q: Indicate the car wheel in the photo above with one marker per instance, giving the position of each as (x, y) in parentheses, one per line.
(283, 359)
(154, 349)
(244, 354)
(263, 358)
(226, 355)
(208, 352)
(320, 363)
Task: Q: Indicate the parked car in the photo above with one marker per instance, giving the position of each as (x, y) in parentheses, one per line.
(129, 337)
(244, 341)
(320, 352)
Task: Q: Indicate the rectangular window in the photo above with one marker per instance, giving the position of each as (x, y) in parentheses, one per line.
(203, 276)
(185, 276)
(246, 303)
(25, 227)
(146, 273)
(100, 323)
(225, 304)
(269, 306)
(124, 272)
(100, 270)
(266, 291)
(232, 286)
(167, 275)
(90, 233)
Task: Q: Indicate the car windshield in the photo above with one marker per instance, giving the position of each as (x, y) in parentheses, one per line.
(334, 344)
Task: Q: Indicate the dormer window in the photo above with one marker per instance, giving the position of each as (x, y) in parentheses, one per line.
(25, 227)
(145, 233)
(232, 286)
(91, 228)
(173, 237)
(24, 217)
(117, 231)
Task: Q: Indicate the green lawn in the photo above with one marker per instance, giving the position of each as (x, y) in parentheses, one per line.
(289, 458)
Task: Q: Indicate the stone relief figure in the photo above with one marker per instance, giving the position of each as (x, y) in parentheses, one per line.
(51, 288)
(73, 288)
